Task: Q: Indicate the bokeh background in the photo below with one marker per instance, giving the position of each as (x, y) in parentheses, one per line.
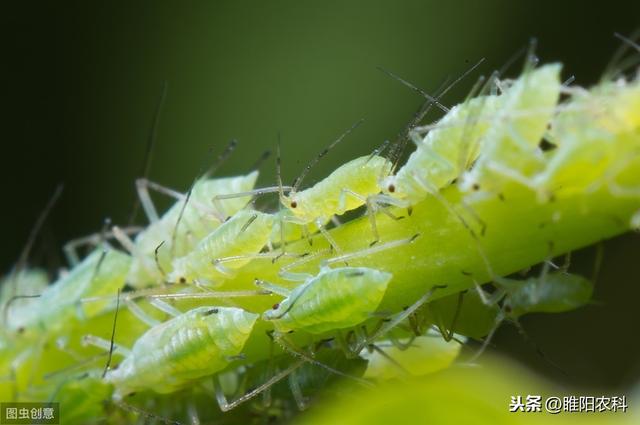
(82, 80)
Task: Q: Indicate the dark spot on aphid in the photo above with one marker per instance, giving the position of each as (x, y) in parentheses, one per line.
(546, 145)
(131, 394)
(275, 306)
(409, 210)
(475, 187)
(20, 330)
(466, 273)
(211, 311)
(507, 309)
(501, 196)
(294, 204)
(392, 188)
(182, 280)
(355, 273)
(454, 181)
(414, 237)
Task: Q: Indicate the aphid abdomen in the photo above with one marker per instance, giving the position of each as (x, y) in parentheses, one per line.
(99, 274)
(555, 293)
(511, 146)
(247, 232)
(335, 299)
(195, 344)
(327, 197)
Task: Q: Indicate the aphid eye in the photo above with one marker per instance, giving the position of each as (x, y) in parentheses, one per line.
(275, 306)
(182, 280)
(475, 186)
(20, 330)
(210, 312)
(294, 204)
(392, 188)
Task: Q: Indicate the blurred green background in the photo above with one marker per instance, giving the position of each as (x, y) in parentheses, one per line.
(83, 79)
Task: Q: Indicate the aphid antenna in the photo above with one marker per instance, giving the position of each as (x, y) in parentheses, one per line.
(226, 153)
(157, 261)
(401, 140)
(298, 180)
(531, 60)
(113, 335)
(11, 300)
(151, 143)
(146, 413)
(619, 63)
(263, 157)
(179, 219)
(433, 100)
(35, 230)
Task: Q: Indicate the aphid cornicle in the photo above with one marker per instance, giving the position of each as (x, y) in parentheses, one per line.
(175, 353)
(334, 299)
(241, 237)
(197, 219)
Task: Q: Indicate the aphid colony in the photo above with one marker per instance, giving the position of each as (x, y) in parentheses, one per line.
(166, 274)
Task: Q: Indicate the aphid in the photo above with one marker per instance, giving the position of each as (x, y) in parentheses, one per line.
(334, 299)
(350, 186)
(59, 306)
(512, 142)
(180, 229)
(174, 354)
(240, 239)
(550, 292)
(470, 134)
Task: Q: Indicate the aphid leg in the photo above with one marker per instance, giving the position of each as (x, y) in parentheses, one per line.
(286, 274)
(216, 200)
(448, 334)
(371, 210)
(260, 256)
(390, 359)
(165, 307)
(192, 413)
(131, 247)
(301, 401)
(487, 339)
(369, 251)
(287, 345)
(72, 247)
(320, 225)
(273, 288)
(105, 345)
(139, 313)
(400, 317)
(142, 187)
(225, 405)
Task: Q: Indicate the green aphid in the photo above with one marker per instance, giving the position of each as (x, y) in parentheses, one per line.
(178, 352)
(334, 299)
